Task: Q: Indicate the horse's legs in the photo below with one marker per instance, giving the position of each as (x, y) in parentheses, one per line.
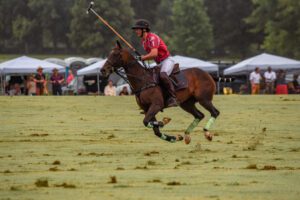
(214, 114)
(189, 106)
(151, 122)
(165, 137)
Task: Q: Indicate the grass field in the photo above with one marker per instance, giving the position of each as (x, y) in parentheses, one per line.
(88, 147)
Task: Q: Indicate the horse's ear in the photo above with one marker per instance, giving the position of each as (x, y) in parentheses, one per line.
(119, 44)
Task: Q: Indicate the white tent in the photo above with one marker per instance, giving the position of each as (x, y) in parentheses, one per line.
(56, 61)
(184, 63)
(69, 61)
(188, 62)
(93, 69)
(27, 65)
(263, 61)
(91, 61)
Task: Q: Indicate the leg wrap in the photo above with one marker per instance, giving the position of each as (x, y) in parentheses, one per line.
(149, 125)
(155, 124)
(192, 126)
(168, 138)
(209, 124)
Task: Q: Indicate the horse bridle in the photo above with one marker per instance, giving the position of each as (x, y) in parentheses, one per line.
(122, 74)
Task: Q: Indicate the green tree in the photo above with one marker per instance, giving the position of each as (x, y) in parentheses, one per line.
(23, 32)
(5, 24)
(33, 26)
(89, 35)
(279, 20)
(53, 21)
(145, 9)
(10, 12)
(163, 24)
(192, 33)
(231, 32)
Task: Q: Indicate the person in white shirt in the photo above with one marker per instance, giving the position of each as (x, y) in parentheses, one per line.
(270, 77)
(255, 78)
(110, 89)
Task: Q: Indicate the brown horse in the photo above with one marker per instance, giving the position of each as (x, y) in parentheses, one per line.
(149, 95)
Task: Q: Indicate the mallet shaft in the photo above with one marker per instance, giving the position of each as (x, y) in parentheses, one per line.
(113, 30)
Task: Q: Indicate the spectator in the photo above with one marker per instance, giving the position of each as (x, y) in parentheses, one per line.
(90, 83)
(15, 83)
(293, 87)
(70, 77)
(40, 81)
(295, 81)
(14, 90)
(281, 86)
(56, 80)
(124, 91)
(31, 86)
(270, 78)
(110, 89)
(255, 78)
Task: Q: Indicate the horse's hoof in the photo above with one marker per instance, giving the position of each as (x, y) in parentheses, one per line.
(166, 120)
(187, 139)
(179, 138)
(208, 136)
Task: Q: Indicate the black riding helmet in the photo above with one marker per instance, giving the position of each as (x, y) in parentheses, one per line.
(141, 24)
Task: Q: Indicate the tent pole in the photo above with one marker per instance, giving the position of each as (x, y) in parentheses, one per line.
(4, 82)
(2, 85)
(248, 83)
(218, 84)
(76, 77)
(98, 84)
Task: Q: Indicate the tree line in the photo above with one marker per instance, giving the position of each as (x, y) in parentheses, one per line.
(198, 28)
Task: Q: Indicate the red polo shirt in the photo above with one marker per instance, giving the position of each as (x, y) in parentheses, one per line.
(152, 41)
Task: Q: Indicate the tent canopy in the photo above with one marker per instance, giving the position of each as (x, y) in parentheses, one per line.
(263, 61)
(69, 61)
(91, 61)
(184, 63)
(92, 69)
(27, 65)
(56, 61)
(188, 62)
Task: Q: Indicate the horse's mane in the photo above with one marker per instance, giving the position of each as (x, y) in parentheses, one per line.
(140, 65)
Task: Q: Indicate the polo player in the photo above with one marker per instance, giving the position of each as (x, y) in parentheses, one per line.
(156, 49)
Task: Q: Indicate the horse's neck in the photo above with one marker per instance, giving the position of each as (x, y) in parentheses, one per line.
(138, 76)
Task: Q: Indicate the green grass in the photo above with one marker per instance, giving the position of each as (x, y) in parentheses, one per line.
(86, 147)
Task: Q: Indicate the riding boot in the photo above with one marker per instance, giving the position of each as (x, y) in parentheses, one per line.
(171, 102)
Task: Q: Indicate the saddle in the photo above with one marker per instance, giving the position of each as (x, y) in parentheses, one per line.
(177, 77)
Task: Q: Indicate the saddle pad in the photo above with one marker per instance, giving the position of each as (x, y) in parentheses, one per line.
(179, 81)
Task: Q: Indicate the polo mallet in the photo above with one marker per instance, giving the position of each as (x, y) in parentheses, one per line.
(90, 9)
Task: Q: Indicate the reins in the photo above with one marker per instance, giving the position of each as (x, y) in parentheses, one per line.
(146, 73)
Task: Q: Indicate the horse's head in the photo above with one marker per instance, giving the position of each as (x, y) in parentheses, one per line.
(117, 58)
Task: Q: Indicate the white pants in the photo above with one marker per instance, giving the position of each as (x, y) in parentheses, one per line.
(167, 65)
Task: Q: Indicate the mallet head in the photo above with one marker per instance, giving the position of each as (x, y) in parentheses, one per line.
(90, 7)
